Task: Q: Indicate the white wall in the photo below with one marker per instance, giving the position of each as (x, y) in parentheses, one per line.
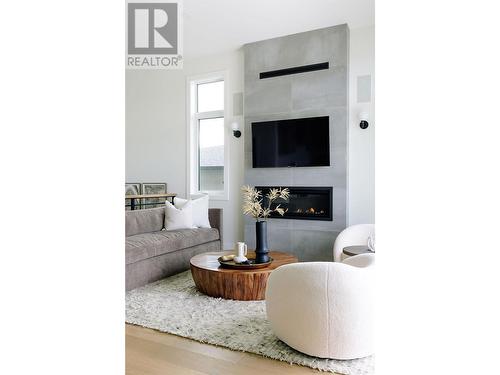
(156, 129)
(155, 136)
(361, 198)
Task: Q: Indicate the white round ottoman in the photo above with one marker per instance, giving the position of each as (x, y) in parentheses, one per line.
(324, 309)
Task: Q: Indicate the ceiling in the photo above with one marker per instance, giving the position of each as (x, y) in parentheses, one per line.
(215, 26)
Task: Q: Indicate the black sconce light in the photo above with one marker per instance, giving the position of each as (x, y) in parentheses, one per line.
(236, 131)
(363, 120)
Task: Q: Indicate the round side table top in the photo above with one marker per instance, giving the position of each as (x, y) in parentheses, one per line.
(238, 284)
(209, 262)
(356, 250)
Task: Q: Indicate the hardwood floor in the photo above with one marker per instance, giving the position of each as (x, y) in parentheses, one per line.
(149, 352)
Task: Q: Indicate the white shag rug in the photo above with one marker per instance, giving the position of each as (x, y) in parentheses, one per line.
(174, 305)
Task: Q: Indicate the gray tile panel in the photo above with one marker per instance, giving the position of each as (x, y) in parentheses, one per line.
(318, 93)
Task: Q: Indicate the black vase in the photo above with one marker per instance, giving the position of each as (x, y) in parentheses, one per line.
(261, 249)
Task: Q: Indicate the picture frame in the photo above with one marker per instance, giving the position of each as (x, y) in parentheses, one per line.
(153, 188)
(132, 188)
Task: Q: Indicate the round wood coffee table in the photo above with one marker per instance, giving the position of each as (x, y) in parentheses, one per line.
(244, 285)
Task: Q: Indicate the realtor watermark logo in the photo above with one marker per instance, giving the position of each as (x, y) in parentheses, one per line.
(154, 34)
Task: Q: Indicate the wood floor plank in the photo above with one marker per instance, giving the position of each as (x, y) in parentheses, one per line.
(186, 359)
(183, 343)
(150, 352)
(147, 360)
(272, 366)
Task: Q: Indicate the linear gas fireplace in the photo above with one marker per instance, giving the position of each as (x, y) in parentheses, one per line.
(305, 203)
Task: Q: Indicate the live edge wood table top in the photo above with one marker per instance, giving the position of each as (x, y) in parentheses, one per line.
(244, 285)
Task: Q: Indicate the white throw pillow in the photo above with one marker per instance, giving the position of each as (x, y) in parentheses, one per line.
(200, 210)
(178, 218)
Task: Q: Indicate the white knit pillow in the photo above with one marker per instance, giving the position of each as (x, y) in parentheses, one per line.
(178, 218)
(200, 210)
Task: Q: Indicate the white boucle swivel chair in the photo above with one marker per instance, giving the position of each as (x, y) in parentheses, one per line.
(324, 309)
(351, 236)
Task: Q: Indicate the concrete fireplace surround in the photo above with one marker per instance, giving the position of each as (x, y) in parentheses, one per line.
(310, 94)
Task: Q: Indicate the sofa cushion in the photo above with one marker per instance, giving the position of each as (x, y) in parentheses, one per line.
(178, 218)
(200, 210)
(147, 245)
(144, 221)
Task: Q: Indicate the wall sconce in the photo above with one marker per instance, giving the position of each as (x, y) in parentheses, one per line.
(363, 120)
(236, 129)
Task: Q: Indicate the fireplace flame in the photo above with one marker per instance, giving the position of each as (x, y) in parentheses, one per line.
(310, 211)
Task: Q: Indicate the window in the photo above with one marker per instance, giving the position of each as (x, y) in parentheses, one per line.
(208, 151)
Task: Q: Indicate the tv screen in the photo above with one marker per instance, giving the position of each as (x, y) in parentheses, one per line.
(303, 142)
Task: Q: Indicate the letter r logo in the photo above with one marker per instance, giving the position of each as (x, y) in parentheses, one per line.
(152, 28)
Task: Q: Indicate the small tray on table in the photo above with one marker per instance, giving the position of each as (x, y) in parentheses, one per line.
(248, 265)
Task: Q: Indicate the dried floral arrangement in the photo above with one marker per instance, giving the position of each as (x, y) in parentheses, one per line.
(253, 202)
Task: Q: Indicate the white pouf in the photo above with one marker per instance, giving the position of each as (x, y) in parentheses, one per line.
(324, 309)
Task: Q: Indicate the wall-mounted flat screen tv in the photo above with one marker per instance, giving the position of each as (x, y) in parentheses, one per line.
(303, 142)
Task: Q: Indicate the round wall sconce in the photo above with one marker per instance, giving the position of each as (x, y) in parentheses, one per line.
(363, 120)
(236, 129)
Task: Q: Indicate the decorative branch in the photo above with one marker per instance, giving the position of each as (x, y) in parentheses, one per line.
(252, 202)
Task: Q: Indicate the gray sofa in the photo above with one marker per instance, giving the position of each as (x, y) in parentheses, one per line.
(152, 253)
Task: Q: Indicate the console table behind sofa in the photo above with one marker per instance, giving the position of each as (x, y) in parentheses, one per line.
(133, 198)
